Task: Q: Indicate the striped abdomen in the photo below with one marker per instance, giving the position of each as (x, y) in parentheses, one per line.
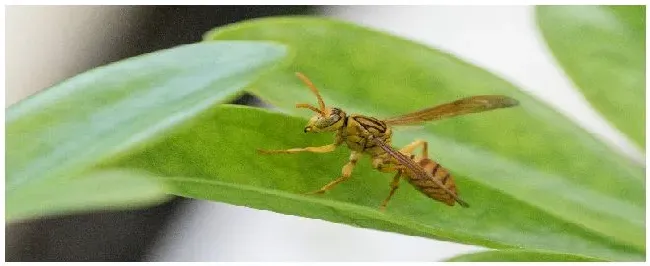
(430, 187)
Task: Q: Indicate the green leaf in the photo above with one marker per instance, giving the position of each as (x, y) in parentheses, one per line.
(103, 190)
(520, 256)
(112, 110)
(534, 178)
(602, 49)
(215, 158)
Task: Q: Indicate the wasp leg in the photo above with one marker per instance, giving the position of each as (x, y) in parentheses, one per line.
(346, 172)
(321, 149)
(408, 149)
(393, 187)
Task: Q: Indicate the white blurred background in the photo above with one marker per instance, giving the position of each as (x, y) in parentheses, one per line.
(45, 45)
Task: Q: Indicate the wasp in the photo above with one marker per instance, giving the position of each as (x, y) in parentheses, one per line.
(371, 136)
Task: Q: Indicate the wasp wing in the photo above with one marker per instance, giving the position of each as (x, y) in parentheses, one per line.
(417, 169)
(473, 104)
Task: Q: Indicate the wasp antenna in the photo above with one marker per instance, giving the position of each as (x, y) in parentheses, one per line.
(313, 88)
(310, 107)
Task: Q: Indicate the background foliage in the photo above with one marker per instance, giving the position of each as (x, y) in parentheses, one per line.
(539, 184)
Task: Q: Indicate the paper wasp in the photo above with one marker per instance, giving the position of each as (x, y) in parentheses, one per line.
(371, 136)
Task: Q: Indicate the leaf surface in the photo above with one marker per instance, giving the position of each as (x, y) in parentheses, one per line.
(530, 154)
(225, 166)
(519, 256)
(61, 133)
(602, 49)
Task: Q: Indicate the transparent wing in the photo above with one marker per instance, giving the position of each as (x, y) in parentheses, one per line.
(474, 104)
(416, 169)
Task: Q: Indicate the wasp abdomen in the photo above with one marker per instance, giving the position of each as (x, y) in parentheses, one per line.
(430, 187)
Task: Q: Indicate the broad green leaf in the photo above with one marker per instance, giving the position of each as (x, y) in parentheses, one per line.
(103, 190)
(215, 158)
(114, 109)
(520, 256)
(534, 179)
(602, 49)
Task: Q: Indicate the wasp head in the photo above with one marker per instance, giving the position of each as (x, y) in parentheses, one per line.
(326, 119)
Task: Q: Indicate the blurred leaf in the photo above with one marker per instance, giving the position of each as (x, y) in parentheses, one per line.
(117, 108)
(519, 256)
(105, 190)
(602, 49)
(535, 179)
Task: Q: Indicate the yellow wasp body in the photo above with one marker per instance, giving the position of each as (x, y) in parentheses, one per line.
(371, 136)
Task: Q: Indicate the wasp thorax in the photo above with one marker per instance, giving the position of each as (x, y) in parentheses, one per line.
(331, 121)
